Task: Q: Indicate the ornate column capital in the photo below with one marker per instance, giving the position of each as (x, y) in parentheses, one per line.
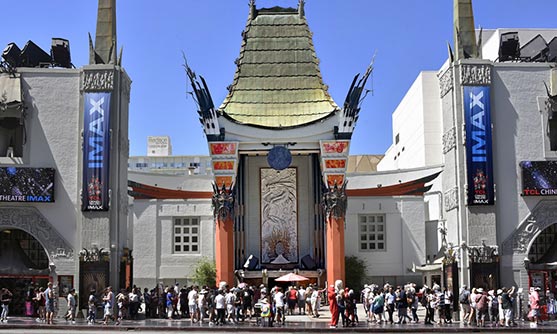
(223, 202)
(334, 201)
(98, 80)
(475, 74)
(483, 254)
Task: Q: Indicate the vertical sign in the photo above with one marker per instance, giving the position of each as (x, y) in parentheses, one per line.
(479, 155)
(96, 152)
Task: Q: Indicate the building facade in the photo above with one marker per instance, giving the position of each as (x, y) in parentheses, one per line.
(64, 202)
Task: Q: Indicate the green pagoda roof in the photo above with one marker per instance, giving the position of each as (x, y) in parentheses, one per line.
(277, 83)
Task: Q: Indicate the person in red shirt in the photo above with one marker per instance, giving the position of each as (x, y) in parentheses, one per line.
(333, 306)
(292, 299)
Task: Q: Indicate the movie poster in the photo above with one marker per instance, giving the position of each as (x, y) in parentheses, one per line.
(96, 152)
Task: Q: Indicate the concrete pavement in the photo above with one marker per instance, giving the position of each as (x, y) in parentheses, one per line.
(294, 323)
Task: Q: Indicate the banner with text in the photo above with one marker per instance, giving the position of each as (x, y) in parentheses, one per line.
(479, 154)
(23, 184)
(539, 178)
(96, 152)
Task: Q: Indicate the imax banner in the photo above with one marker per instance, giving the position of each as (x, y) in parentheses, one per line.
(96, 152)
(479, 155)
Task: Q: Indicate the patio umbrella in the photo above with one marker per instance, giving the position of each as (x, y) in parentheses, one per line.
(291, 277)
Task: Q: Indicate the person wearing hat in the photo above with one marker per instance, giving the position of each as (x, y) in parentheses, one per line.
(534, 303)
(481, 307)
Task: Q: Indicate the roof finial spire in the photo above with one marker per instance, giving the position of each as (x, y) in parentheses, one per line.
(252, 10)
(301, 8)
(464, 31)
(105, 39)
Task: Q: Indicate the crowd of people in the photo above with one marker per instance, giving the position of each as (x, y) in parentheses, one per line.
(214, 306)
(478, 307)
(229, 305)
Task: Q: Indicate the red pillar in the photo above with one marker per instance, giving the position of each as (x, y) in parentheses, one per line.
(224, 252)
(335, 249)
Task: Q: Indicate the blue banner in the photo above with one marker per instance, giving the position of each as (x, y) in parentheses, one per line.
(479, 154)
(96, 152)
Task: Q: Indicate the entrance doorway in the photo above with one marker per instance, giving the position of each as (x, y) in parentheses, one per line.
(23, 268)
(542, 269)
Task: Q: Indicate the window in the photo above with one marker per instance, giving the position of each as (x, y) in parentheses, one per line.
(372, 233)
(397, 138)
(186, 235)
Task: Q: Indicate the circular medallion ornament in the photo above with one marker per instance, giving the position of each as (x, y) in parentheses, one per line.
(279, 158)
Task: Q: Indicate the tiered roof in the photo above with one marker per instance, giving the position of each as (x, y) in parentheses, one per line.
(277, 83)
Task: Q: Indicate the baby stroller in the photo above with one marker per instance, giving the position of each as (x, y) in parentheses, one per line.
(262, 313)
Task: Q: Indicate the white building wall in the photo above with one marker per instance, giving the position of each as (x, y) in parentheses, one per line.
(417, 123)
(155, 260)
(52, 99)
(405, 234)
(518, 135)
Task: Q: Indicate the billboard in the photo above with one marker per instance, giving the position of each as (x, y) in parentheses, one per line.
(479, 154)
(96, 152)
(19, 184)
(539, 178)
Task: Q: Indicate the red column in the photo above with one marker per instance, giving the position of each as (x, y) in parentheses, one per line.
(224, 252)
(335, 249)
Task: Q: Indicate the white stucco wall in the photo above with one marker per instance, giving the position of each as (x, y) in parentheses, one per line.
(518, 135)
(405, 234)
(418, 124)
(154, 255)
(52, 99)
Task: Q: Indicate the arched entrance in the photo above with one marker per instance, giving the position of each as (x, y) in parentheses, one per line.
(24, 266)
(542, 265)
(26, 228)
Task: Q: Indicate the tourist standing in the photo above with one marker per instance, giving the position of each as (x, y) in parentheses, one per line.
(481, 307)
(464, 300)
(92, 305)
(192, 304)
(534, 303)
(49, 303)
(302, 301)
(5, 298)
(40, 302)
(108, 300)
(70, 316)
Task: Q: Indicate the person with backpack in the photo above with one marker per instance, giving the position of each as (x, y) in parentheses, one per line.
(481, 307)
(506, 305)
(464, 301)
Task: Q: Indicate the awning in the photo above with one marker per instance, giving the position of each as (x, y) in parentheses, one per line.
(427, 268)
(10, 90)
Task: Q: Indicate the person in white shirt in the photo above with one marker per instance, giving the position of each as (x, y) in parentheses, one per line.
(220, 306)
(302, 301)
(230, 298)
(279, 305)
(192, 304)
(202, 304)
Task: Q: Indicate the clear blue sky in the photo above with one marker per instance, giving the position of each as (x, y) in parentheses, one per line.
(409, 35)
